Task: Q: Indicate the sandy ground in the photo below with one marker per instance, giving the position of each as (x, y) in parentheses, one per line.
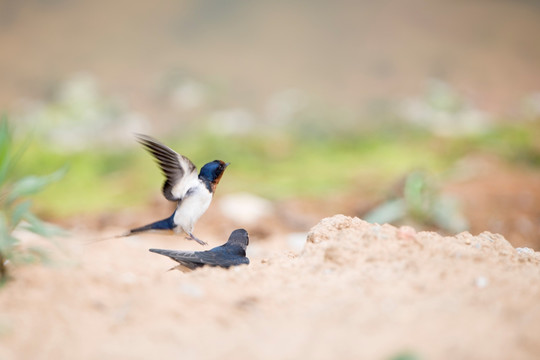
(355, 290)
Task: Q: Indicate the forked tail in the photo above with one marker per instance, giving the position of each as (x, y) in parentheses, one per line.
(165, 224)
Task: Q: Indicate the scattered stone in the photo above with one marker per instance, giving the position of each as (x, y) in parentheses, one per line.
(191, 290)
(245, 208)
(481, 282)
(296, 241)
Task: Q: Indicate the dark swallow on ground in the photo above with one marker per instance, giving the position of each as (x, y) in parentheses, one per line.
(192, 193)
(232, 253)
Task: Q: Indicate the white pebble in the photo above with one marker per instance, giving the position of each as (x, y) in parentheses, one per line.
(525, 251)
(128, 278)
(481, 282)
(245, 208)
(296, 241)
(191, 290)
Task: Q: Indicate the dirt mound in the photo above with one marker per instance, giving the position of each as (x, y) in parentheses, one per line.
(357, 290)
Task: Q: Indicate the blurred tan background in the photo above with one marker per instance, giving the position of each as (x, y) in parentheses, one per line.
(350, 54)
(89, 73)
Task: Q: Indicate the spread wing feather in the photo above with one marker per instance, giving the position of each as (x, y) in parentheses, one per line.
(179, 171)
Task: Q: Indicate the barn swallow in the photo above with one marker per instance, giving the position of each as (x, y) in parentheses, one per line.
(192, 193)
(232, 253)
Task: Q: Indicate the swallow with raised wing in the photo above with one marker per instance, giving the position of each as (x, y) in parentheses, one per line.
(192, 193)
(232, 253)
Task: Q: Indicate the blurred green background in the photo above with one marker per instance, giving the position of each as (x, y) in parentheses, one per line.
(307, 99)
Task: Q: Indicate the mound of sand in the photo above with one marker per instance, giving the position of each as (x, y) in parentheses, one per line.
(357, 290)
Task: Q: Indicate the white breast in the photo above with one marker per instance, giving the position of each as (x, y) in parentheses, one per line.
(192, 208)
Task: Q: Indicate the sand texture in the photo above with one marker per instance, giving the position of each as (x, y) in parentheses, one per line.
(356, 290)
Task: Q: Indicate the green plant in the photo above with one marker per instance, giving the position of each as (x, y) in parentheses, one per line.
(15, 205)
(406, 355)
(419, 199)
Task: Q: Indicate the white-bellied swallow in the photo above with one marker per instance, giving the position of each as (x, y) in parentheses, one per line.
(232, 253)
(192, 193)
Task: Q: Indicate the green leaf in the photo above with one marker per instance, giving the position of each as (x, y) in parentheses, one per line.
(388, 212)
(415, 188)
(40, 227)
(419, 195)
(33, 184)
(448, 216)
(5, 146)
(31, 255)
(19, 213)
(6, 240)
(8, 157)
(42, 254)
(406, 355)
(7, 243)
(4, 131)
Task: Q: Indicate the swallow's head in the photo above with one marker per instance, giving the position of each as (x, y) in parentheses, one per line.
(239, 237)
(213, 171)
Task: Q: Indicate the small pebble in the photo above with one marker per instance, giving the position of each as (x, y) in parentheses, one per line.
(128, 278)
(481, 282)
(191, 290)
(525, 251)
(296, 241)
(406, 233)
